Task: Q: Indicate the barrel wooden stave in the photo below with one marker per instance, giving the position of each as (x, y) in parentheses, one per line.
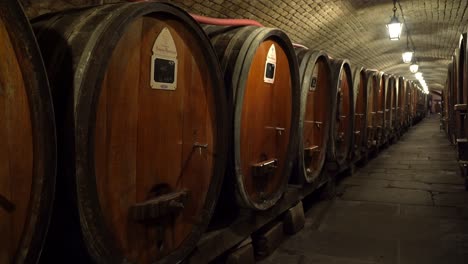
(27, 154)
(128, 142)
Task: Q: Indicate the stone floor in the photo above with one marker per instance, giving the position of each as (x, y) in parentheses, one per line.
(408, 205)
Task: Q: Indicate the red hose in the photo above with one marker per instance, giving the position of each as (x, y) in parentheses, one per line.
(224, 21)
(296, 45)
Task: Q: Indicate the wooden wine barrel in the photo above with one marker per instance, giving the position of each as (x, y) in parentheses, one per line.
(28, 148)
(393, 105)
(408, 103)
(315, 112)
(461, 105)
(360, 110)
(342, 118)
(454, 96)
(143, 126)
(413, 104)
(388, 114)
(373, 86)
(380, 113)
(449, 103)
(262, 81)
(400, 104)
(456, 89)
(444, 109)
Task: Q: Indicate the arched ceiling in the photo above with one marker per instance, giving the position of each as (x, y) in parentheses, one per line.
(350, 29)
(355, 29)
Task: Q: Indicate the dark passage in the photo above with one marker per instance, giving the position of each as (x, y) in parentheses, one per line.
(408, 205)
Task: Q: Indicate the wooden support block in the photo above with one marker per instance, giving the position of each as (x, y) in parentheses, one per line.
(244, 254)
(266, 241)
(294, 219)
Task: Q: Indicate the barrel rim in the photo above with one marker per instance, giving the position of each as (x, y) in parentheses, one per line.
(337, 66)
(44, 142)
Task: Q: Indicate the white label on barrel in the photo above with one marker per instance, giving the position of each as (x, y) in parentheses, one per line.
(164, 62)
(270, 65)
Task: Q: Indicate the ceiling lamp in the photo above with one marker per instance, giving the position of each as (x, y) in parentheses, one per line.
(414, 67)
(394, 26)
(418, 75)
(408, 54)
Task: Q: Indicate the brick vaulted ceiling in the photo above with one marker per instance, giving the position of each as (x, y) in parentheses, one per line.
(351, 29)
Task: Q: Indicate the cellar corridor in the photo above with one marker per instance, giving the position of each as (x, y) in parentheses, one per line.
(234, 131)
(404, 206)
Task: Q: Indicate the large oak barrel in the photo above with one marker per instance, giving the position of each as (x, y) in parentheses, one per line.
(380, 113)
(389, 82)
(456, 89)
(413, 102)
(28, 147)
(262, 81)
(315, 114)
(449, 103)
(360, 110)
(372, 87)
(142, 116)
(342, 118)
(400, 104)
(407, 103)
(460, 106)
(394, 104)
(445, 103)
(454, 97)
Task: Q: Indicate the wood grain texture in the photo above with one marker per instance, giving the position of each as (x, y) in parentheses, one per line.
(390, 103)
(360, 109)
(380, 113)
(401, 102)
(16, 149)
(372, 98)
(317, 115)
(145, 138)
(265, 106)
(344, 117)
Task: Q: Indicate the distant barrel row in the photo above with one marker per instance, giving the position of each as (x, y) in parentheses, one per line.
(155, 114)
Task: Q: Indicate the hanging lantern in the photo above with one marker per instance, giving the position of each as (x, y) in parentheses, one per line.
(394, 26)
